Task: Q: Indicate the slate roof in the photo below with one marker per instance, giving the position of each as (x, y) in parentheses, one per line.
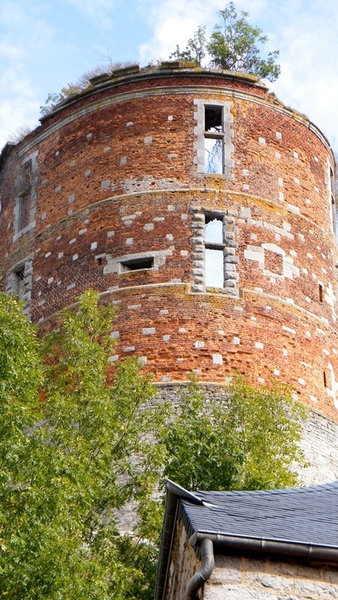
(301, 523)
(302, 515)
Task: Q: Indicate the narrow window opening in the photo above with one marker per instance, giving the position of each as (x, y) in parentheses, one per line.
(214, 251)
(324, 379)
(213, 139)
(320, 289)
(137, 264)
(213, 119)
(24, 196)
(213, 230)
(334, 214)
(332, 181)
(332, 200)
(99, 260)
(23, 212)
(19, 282)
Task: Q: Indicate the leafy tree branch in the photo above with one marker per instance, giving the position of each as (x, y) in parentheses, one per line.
(234, 45)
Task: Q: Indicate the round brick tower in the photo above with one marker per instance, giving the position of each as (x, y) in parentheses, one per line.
(203, 209)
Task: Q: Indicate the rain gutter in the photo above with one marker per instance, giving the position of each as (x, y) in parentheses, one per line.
(206, 541)
(207, 566)
(292, 549)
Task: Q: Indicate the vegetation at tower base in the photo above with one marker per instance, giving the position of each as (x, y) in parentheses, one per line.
(66, 461)
(248, 440)
(78, 443)
(232, 46)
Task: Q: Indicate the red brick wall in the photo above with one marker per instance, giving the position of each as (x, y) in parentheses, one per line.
(117, 176)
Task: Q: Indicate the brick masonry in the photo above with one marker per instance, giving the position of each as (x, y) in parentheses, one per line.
(117, 177)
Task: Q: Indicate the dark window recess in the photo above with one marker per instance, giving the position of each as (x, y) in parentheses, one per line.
(25, 190)
(19, 277)
(23, 212)
(137, 264)
(213, 139)
(324, 379)
(320, 289)
(213, 119)
(333, 201)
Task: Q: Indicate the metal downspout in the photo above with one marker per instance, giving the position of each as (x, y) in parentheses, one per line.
(207, 565)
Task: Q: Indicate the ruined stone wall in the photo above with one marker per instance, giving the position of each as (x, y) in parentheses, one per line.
(118, 200)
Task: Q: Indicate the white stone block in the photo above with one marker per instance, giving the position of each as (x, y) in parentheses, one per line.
(148, 330)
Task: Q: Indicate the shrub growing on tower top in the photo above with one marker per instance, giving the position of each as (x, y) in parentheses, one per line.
(234, 45)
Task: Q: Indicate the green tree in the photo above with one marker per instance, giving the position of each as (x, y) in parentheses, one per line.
(80, 440)
(195, 50)
(246, 440)
(234, 45)
(85, 453)
(20, 381)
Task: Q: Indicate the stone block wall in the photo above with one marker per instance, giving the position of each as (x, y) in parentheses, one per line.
(239, 578)
(183, 565)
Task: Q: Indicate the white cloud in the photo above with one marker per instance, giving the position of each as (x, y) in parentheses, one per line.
(90, 6)
(11, 52)
(15, 112)
(309, 79)
(99, 11)
(174, 22)
(23, 39)
(11, 14)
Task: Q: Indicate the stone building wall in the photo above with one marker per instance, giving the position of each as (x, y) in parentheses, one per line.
(239, 578)
(183, 565)
(111, 192)
(236, 577)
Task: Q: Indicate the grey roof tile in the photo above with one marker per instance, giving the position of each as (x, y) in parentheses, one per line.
(305, 515)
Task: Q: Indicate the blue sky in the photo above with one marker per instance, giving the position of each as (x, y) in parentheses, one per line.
(46, 44)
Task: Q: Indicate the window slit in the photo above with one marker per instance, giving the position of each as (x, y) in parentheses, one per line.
(320, 289)
(214, 251)
(137, 264)
(213, 139)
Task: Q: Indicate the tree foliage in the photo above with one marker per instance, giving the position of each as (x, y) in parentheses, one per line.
(247, 440)
(88, 454)
(234, 45)
(80, 441)
(20, 381)
(195, 50)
